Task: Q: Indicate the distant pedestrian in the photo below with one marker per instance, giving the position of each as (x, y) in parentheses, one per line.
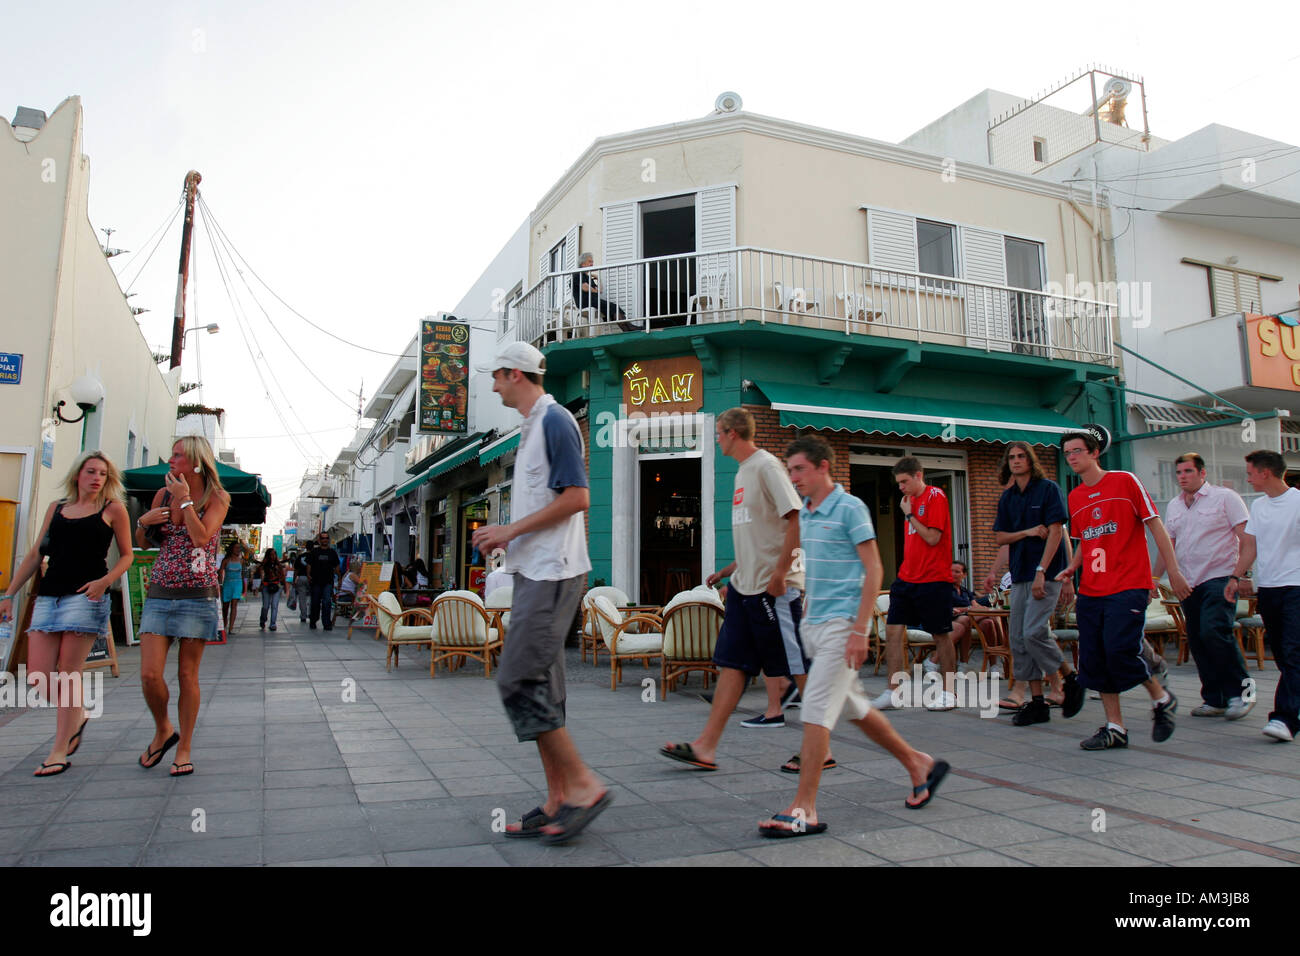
(843, 576)
(1272, 536)
(1108, 514)
(231, 575)
(1031, 523)
(272, 585)
(72, 608)
(546, 548)
(921, 595)
(302, 584)
(182, 599)
(1207, 525)
(323, 567)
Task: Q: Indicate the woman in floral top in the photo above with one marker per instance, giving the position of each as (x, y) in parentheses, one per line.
(182, 599)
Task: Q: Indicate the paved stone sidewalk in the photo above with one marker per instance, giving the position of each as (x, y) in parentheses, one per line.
(412, 772)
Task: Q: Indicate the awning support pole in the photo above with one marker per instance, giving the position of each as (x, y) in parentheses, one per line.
(1185, 381)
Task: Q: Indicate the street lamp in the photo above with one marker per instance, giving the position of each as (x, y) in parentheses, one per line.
(87, 392)
(212, 328)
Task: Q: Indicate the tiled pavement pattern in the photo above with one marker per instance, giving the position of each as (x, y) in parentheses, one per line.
(412, 771)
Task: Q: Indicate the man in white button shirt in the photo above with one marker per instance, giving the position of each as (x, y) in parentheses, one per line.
(1273, 536)
(1207, 524)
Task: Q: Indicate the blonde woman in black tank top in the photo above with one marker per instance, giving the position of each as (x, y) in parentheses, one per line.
(72, 609)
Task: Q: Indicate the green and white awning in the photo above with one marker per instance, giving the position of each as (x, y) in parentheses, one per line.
(452, 460)
(498, 448)
(912, 417)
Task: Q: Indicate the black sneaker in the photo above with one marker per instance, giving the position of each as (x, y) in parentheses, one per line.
(763, 722)
(1073, 702)
(1032, 712)
(1105, 739)
(791, 697)
(1162, 716)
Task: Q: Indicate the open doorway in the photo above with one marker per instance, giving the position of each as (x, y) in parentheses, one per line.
(670, 527)
(874, 485)
(668, 229)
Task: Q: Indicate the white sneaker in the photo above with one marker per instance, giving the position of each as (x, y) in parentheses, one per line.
(946, 701)
(1278, 731)
(1209, 710)
(1238, 708)
(930, 666)
(885, 701)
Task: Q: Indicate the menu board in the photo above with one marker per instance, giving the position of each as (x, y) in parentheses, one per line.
(137, 576)
(444, 377)
(374, 577)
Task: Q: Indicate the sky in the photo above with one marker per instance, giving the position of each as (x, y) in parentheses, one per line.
(367, 160)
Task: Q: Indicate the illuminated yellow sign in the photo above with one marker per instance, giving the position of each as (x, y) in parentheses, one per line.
(664, 386)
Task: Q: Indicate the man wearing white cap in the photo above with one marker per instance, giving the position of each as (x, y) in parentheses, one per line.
(546, 549)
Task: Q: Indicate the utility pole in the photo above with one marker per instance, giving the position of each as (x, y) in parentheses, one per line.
(192, 180)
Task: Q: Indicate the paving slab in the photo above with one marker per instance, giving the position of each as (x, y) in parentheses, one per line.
(420, 772)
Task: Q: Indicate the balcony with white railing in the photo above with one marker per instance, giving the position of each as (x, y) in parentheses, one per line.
(764, 286)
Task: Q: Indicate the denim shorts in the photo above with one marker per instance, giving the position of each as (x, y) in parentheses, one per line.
(195, 618)
(71, 612)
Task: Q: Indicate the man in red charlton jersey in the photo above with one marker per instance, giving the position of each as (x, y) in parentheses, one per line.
(1108, 513)
(921, 595)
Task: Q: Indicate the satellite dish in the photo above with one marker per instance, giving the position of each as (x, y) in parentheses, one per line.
(1118, 88)
(727, 102)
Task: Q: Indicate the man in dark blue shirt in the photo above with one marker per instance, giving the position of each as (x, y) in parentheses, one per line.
(1031, 523)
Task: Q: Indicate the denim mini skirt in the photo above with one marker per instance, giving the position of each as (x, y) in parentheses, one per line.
(196, 618)
(71, 612)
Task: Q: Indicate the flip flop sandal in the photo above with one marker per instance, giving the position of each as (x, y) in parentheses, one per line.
(530, 825)
(45, 766)
(177, 770)
(686, 754)
(830, 764)
(75, 740)
(797, 828)
(937, 773)
(571, 821)
(155, 756)
(1008, 705)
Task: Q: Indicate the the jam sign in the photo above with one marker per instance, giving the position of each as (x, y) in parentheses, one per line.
(664, 386)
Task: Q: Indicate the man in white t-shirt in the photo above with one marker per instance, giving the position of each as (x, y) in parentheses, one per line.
(1206, 524)
(546, 546)
(1273, 538)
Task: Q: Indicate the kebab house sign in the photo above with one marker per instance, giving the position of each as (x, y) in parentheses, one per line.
(1273, 344)
(444, 377)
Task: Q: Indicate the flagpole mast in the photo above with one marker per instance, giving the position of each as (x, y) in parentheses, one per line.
(192, 180)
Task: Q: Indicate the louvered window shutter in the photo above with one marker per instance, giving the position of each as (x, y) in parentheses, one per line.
(715, 228)
(1248, 294)
(619, 245)
(891, 244)
(987, 310)
(1223, 292)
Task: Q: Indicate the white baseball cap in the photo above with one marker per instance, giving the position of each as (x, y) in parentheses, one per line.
(518, 355)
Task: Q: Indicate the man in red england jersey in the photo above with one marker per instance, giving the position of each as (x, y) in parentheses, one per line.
(1107, 514)
(921, 595)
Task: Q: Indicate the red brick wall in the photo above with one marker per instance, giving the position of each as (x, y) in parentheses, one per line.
(983, 463)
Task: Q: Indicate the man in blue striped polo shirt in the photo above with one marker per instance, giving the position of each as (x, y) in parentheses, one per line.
(839, 546)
